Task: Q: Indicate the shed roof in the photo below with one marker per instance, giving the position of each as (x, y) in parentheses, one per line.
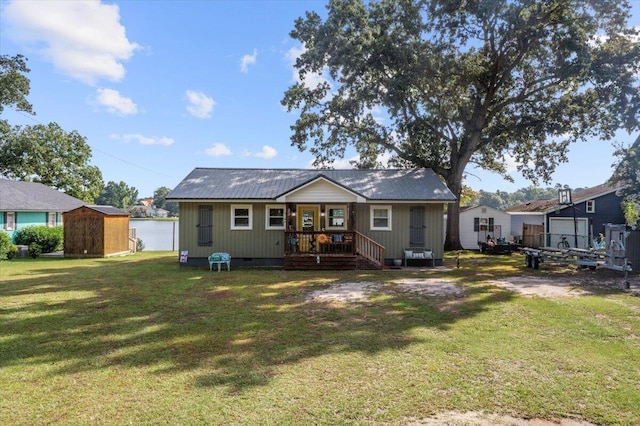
(269, 184)
(34, 196)
(105, 210)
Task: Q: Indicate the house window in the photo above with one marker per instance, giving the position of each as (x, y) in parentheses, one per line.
(380, 218)
(275, 217)
(52, 219)
(483, 224)
(241, 216)
(10, 221)
(591, 206)
(205, 226)
(336, 217)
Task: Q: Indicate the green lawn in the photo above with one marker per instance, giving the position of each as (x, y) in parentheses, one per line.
(139, 340)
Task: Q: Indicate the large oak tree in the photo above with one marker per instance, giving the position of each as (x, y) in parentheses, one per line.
(445, 83)
(41, 153)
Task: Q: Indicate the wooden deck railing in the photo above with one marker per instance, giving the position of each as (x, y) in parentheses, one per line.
(321, 242)
(369, 249)
(333, 243)
(133, 240)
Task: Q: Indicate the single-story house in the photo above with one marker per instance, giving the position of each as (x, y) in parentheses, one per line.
(25, 204)
(477, 223)
(142, 210)
(302, 218)
(592, 208)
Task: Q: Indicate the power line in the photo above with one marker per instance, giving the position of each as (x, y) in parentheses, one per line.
(103, 152)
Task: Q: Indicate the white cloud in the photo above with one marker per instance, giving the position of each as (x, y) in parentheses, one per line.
(83, 39)
(248, 60)
(311, 80)
(266, 153)
(218, 150)
(200, 105)
(115, 103)
(144, 140)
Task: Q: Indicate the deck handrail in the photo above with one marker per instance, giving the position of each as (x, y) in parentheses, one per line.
(133, 240)
(328, 242)
(369, 248)
(334, 242)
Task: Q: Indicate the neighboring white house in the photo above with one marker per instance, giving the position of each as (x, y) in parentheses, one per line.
(477, 222)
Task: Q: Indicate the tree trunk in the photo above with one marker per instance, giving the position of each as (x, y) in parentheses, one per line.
(452, 240)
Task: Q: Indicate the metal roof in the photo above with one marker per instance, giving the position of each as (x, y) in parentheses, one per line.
(546, 206)
(108, 210)
(33, 196)
(269, 184)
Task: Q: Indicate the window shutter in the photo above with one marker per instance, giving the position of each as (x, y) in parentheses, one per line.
(476, 224)
(205, 226)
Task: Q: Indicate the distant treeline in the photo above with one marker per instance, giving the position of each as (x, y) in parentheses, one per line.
(503, 200)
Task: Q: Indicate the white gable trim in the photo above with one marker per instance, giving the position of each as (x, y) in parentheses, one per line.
(320, 190)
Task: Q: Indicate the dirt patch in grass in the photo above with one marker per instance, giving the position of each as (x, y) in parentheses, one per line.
(474, 418)
(350, 292)
(564, 286)
(214, 295)
(547, 286)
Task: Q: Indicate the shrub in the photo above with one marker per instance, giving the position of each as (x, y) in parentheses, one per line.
(35, 250)
(49, 239)
(5, 244)
(13, 251)
(139, 245)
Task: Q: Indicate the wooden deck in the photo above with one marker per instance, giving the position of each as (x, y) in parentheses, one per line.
(348, 250)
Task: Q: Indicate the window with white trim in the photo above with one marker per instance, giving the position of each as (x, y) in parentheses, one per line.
(336, 217)
(275, 216)
(10, 221)
(380, 218)
(52, 219)
(242, 216)
(483, 224)
(591, 206)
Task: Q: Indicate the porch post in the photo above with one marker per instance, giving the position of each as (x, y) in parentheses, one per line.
(291, 223)
(352, 217)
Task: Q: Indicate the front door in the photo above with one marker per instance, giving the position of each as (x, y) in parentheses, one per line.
(416, 236)
(308, 218)
(308, 221)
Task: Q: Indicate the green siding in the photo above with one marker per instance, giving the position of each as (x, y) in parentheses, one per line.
(397, 239)
(255, 243)
(262, 243)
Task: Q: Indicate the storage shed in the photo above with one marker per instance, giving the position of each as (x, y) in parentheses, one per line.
(96, 231)
(477, 222)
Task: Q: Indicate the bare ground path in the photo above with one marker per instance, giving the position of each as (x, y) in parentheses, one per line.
(548, 285)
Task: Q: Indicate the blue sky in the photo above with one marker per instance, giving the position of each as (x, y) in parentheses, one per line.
(161, 87)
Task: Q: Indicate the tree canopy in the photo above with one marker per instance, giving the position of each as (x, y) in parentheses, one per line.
(52, 156)
(14, 85)
(627, 176)
(444, 83)
(42, 153)
(627, 171)
(118, 195)
(160, 200)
